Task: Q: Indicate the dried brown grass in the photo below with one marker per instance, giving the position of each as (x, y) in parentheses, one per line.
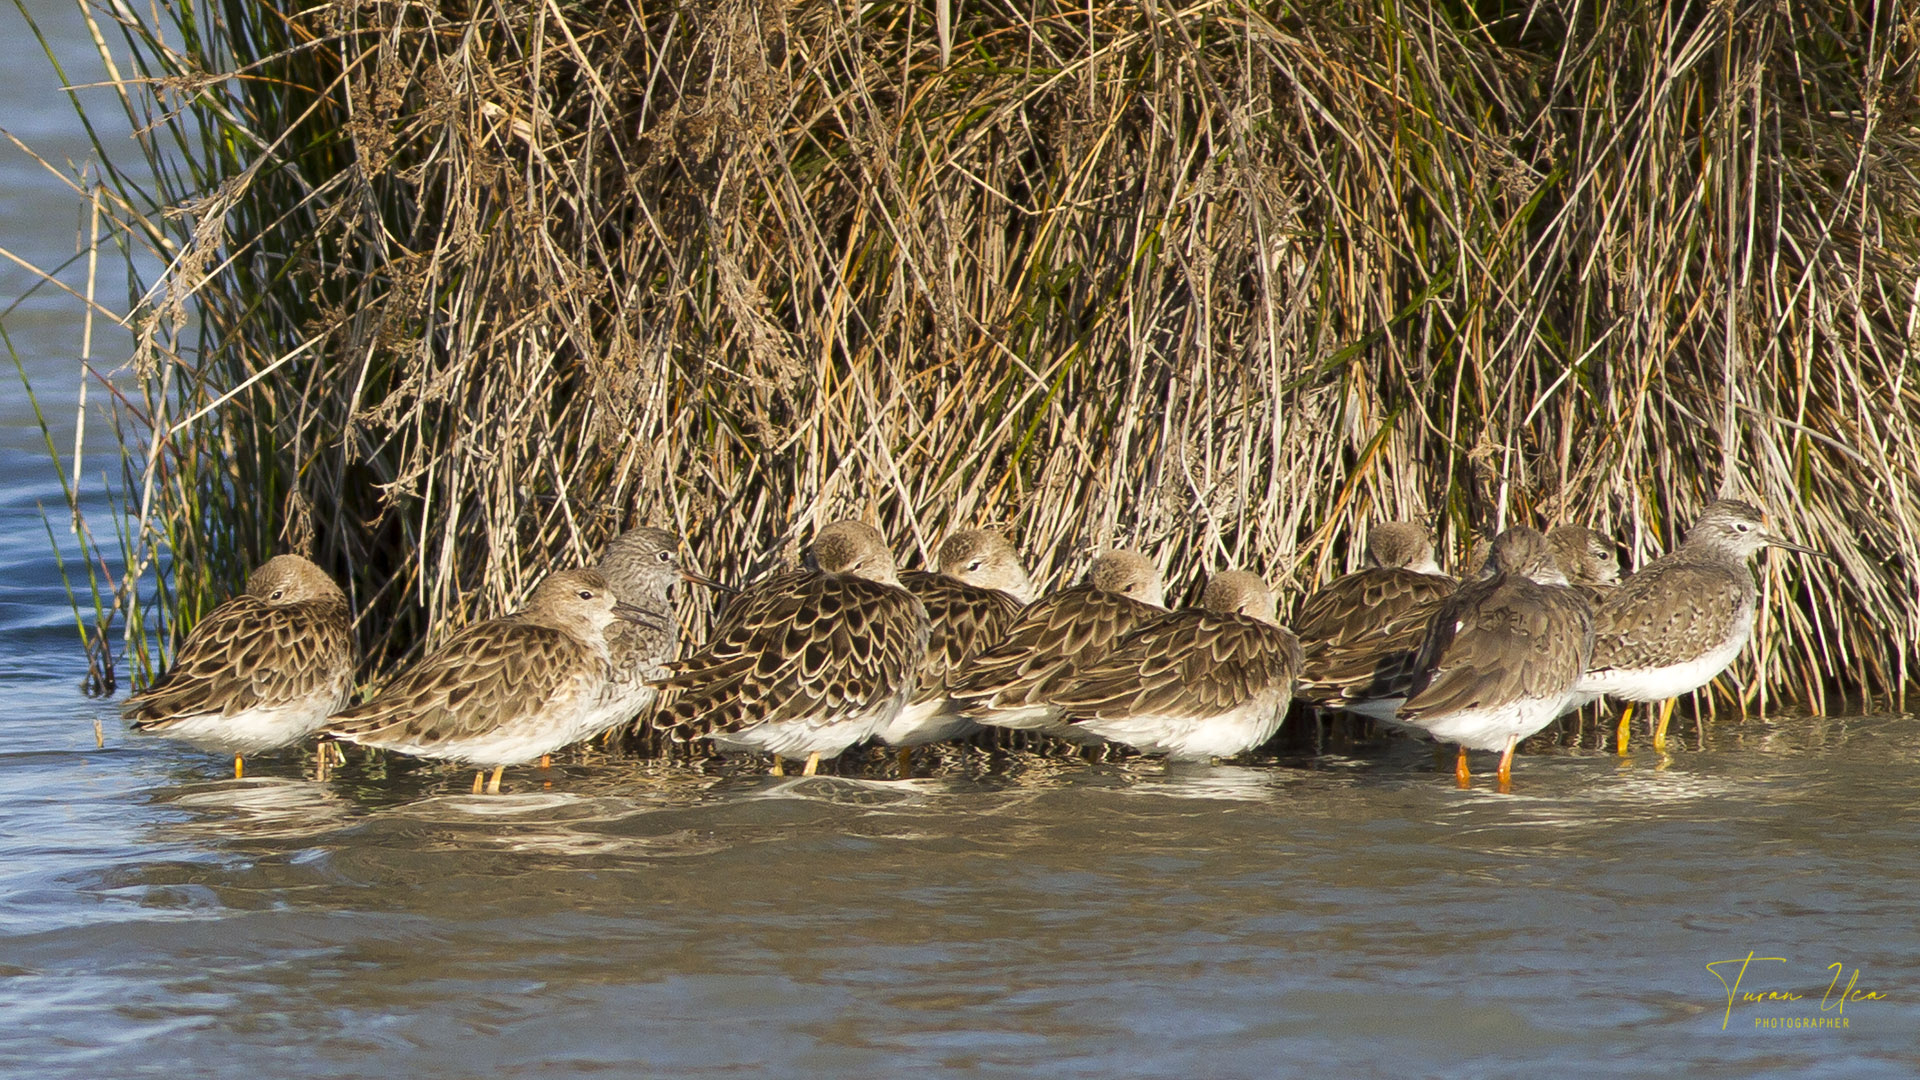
(1222, 281)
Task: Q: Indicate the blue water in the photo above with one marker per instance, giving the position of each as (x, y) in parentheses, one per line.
(1353, 916)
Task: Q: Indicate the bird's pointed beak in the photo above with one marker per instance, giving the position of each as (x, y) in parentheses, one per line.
(639, 615)
(701, 579)
(1774, 541)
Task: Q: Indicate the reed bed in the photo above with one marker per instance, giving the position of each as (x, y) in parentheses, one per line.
(453, 293)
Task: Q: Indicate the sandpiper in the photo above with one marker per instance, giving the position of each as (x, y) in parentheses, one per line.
(1369, 622)
(1673, 626)
(643, 566)
(1588, 558)
(1194, 685)
(505, 691)
(1502, 655)
(971, 601)
(261, 671)
(1009, 684)
(804, 664)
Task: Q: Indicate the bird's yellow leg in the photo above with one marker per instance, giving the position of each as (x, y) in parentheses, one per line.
(1505, 775)
(1621, 736)
(479, 781)
(546, 761)
(239, 770)
(777, 770)
(813, 764)
(1461, 775)
(1660, 733)
(493, 783)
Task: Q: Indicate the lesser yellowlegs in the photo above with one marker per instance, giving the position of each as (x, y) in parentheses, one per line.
(643, 565)
(1502, 655)
(1674, 625)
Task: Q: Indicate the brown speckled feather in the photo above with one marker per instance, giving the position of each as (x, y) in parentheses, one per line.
(1671, 613)
(496, 670)
(734, 613)
(261, 670)
(1355, 606)
(1594, 595)
(1189, 663)
(643, 567)
(1044, 645)
(965, 620)
(1498, 641)
(1379, 663)
(248, 653)
(803, 646)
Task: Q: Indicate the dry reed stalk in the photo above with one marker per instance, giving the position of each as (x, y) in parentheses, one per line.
(1223, 281)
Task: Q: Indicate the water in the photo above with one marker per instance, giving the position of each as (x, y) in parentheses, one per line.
(1050, 919)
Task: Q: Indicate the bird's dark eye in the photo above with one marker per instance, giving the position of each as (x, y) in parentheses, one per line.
(1743, 526)
(277, 594)
(586, 594)
(976, 564)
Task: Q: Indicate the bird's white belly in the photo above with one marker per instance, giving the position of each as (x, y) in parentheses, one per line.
(1580, 698)
(617, 705)
(514, 743)
(925, 723)
(826, 735)
(1491, 728)
(797, 738)
(1659, 684)
(253, 730)
(1041, 720)
(1190, 738)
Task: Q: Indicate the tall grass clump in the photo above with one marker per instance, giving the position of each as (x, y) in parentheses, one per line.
(470, 287)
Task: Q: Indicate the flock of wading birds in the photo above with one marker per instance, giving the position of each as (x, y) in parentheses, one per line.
(811, 661)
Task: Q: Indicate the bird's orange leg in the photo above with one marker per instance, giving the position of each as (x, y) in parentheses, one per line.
(1461, 774)
(1505, 775)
